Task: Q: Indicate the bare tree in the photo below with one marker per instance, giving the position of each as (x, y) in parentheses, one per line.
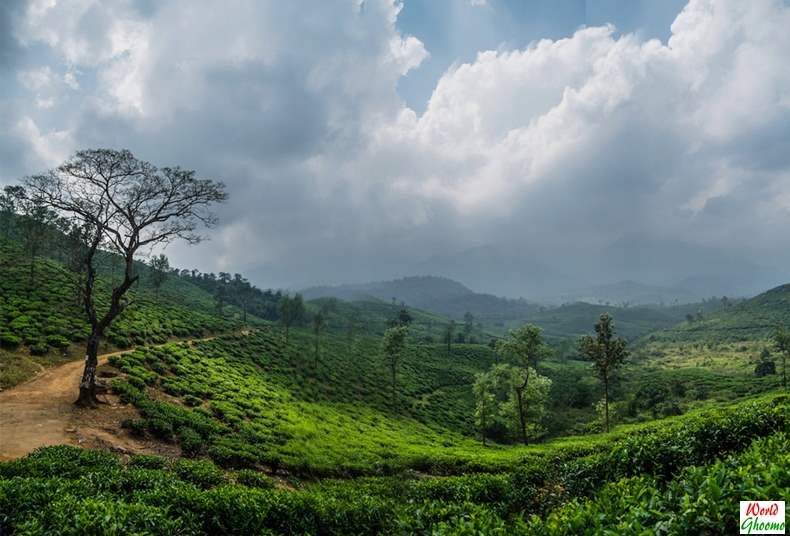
(126, 205)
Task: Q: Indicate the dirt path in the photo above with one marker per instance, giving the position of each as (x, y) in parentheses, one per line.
(41, 412)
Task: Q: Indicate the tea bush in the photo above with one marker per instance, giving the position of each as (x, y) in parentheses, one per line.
(47, 317)
(701, 500)
(66, 490)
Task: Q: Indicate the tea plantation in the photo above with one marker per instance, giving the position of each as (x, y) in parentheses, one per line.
(40, 322)
(684, 477)
(305, 436)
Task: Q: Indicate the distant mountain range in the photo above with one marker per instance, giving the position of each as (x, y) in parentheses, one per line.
(641, 273)
(437, 294)
(634, 293)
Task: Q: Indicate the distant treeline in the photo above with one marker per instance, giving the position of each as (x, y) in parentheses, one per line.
(235, 290)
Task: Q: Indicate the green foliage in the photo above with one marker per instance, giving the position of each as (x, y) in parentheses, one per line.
(47, 318)
(663, 475)
(753, 319)
(496, 396)
(701, 500)
(765, 364)
(525, 345)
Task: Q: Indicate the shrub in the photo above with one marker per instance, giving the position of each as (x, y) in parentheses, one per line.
(253, 479)
(9, 340)
(147, 461)
(202, 473)
(191, 442)
(58, 341)
(159, 428)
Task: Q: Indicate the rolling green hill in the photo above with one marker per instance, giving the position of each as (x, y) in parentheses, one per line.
(303, 438)
(748, 320)
(496, 315)
(686, 473)
(713, 357)
(42, 323)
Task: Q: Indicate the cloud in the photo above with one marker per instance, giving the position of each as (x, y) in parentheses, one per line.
(566, 148)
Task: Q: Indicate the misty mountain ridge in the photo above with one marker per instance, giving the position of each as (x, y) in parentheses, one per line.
(449, 297)
(634, 272)
(432, 293)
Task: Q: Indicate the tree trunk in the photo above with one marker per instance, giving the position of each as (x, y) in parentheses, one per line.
(286, 333)
(483, 426)
(32, 271)
(394, 388)
(606, 400)
(315, 353)
(784, 371)
(521, 417)
(87, 397)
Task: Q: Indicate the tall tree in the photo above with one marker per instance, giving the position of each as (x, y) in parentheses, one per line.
(392, 346)
(496, 410)
(242, 294)
(782, 341)
(128, 205)
(291, 312)
(606, 352)
(525, 345)
(318, 326)
(484, 390)
(404, 318)
(35, 223)
(449, 331)
(8, 207)
(469, 324)
(221, 292)
(160, 267)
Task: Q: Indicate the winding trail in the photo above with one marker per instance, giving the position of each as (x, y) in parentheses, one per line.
(41, 412)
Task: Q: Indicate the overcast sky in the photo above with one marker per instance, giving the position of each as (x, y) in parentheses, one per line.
(361, 140)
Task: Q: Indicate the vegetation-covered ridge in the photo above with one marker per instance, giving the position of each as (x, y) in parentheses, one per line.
(748, 320)
(40, 324)
(252, 401)
(665, 468)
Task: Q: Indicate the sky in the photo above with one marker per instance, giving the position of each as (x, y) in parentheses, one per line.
(523, 147)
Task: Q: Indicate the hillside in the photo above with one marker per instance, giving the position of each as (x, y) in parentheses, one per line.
(560, 488)
(42, 323)
(496, 315)
(571, 321)
(437, 294)
(249, 420)
(713, 357)
(748, 320)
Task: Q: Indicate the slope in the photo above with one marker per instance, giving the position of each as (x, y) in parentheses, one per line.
(42, 322)
(748, 320)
